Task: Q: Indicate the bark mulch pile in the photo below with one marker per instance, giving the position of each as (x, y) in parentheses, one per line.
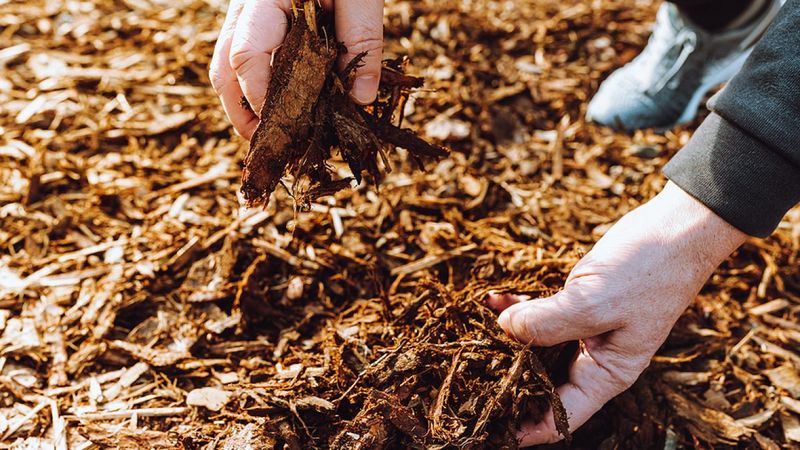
(143, 306)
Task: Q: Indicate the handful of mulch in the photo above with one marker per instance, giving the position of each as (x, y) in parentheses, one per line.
(308, 114)
(455, 381)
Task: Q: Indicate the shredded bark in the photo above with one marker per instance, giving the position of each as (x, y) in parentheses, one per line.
(307, 114)
(142, 307)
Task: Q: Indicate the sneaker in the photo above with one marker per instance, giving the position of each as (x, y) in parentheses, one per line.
(665, 84)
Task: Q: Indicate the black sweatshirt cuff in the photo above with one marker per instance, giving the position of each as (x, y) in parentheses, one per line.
(737, 176)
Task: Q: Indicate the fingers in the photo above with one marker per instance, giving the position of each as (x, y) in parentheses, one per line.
(260, 30)
(500, 302)
(566, 316)
(359, 24)
(223, 78)
(254, 29)
(590, 386)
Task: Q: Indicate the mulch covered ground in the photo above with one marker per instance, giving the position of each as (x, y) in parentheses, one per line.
(142, 307)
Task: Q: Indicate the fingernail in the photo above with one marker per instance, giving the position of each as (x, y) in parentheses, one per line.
(365, 89)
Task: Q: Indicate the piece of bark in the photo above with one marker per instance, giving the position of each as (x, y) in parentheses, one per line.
(300, 68)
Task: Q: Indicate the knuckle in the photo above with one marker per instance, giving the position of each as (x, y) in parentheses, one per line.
(581, 303)
(615, 384)
(578, 299)
(242, 52)
(216, 78)
(531, 332)
(617, 372)
(623, 377)
(603, 308)
(370, 45)
(639, 366)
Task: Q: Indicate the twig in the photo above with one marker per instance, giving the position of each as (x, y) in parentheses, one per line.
(128, 413)
(23, 420)
(432, 260)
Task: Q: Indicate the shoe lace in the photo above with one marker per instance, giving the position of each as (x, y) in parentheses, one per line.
(685, 45)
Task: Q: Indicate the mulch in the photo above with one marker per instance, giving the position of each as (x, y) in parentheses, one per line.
(143, 306)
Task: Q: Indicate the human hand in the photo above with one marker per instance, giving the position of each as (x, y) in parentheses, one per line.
(621, 300)
(253, 29)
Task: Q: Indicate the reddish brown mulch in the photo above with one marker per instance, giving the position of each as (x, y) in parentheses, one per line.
(141, 306)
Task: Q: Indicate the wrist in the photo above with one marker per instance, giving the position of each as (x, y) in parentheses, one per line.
(697, 234)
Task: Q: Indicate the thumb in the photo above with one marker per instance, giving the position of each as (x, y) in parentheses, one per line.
(359, 24)
(545, 322)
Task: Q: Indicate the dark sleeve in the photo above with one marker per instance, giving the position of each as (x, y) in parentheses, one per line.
(743, 161)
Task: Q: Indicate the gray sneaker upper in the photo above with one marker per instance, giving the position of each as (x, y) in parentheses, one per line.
(665, 84)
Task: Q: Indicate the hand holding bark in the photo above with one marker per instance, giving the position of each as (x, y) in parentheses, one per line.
(254, 29)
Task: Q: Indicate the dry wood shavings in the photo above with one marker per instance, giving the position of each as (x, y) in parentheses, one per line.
(210, 398)
(129, 439)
